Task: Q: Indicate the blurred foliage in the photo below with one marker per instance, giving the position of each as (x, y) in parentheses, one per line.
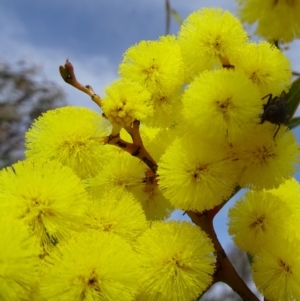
(24, 95)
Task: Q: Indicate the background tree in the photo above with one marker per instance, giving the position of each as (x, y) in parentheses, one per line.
(24, 95)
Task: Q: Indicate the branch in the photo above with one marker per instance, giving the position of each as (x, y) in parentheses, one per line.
(225, 271)
(295, 73)
(136, 148)
(68, 75)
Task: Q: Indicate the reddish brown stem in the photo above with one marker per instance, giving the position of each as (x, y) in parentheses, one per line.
(135, 150)
(68, 75)
(225, 272)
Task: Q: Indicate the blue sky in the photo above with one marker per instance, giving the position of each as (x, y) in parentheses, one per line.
(93, 34)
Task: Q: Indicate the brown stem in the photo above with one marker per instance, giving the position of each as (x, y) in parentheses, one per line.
(225, 272)
(225, 63)
(68, 75)
(134, 132)
(135, 150)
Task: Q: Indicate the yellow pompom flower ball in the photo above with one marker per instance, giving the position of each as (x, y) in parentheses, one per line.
(266, 66)
(154, 203)
(19, 260)
(157, 139)
(47, 196)
(210, 38)
(166, 110)
(276, 20)
(196, 174)
(276, 270)
(266, 161)
(222, 103)
(71, 135)
(258, 219)
(177, 262)
(289, 193)
(155, 65)
(121, 171)
(92, 266)
(118, 212)
(125, 102)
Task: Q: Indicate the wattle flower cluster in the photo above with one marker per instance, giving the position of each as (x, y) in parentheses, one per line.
(96, 218)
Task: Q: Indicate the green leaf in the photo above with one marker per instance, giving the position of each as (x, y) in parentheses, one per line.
(250, 258)
(168, 16)
(294, 122)
(176, 16)
(293, 98)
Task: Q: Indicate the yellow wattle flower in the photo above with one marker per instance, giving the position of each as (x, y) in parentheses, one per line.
(47, 196)
(196, 174)
(276, 20)
(258, 219)
(125, 102)
(117, 212)
(266, 66)
(71, 135)
(276, 270)
(266, 162)
(156, 65)
(177, 262)
(121, 171)
(92, 266)
(19, 259)
(221, 104)
(209, 38)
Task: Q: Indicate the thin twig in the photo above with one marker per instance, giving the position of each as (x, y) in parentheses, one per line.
(295, 73)
(168, 16)
(137, 148)
(68, 75)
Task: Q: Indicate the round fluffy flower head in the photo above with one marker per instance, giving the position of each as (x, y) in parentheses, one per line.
(267, 161)
(196, 174)
(267, 67)
(126, 101)
(289, 192)
(276, 20)
(18, 260)
(121, 171)
(91, 267)
(154, 203)
(118, 212)
(47, 196)
(156, 65)
(257, 220)
(276, 271)
(166, 110)
(157, 139)
(222, 103)
(70, 135)
(209, 38)
(177, 262)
